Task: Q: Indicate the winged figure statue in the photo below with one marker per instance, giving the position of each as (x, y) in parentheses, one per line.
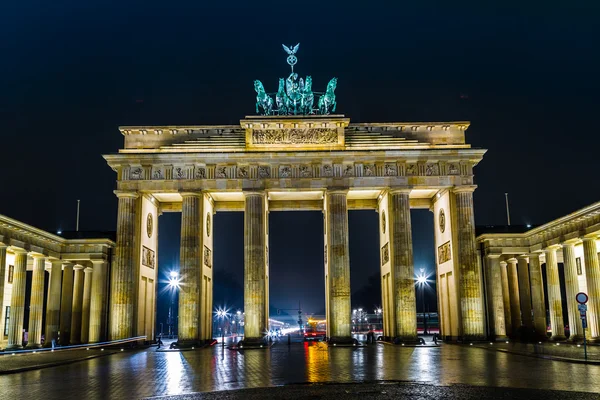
(292, 49)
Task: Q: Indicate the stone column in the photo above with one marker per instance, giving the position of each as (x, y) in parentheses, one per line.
(2, 286)
(85, 306)
(338, 266)
(515, 302)
(255, 290)
(471, 298)
(97, 301)
(66, 304)
(77, 308)
(592, 276)
(190, 268)
(554, 298)
(572, 288)
(123, 275)
(36, 304)
(17, 301)
(497, 306)
(402, 264)
(525, 293)
(538, 304)
(506, 297)
(53, 305)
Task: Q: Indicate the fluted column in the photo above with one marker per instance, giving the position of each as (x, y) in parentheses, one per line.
(85, 306)
(572, 288)
(515, 302)
(190, 268)
(66, 304)
(17, 302)
(498, 322)
(554, 298)
(123, 277)
(36, 304)
(592, 276)
(53, 305)
(471, 299)
(338, 266)
(402, 264)
(525, 293)
(255, 290)
(506, 297)
(77, 307)
(97, 301)
(538, 303)
(2, 286)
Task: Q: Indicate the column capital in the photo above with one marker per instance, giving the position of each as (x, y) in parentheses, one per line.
(571, 242)
(36, 256)
(126, 194)
(512, 260)
(77, 266)
(87, 270)
(493, 256)
(553, 247)
(248, 193)
(94, 262)
(533, 255)
(18, 250)
(503, 263)
(3, 245)
(590, 237)
(336, 191)
(522, 256)
(464, 189)
(191, 194)
(399, 190)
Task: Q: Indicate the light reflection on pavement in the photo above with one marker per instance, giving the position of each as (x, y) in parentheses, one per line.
(150, 373)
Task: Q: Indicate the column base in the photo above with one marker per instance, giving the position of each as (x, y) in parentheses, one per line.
(575, 339)
(502, 338)
(13, 347)
(33, 346)
(558, 338)
(342, 341)
(409, 340)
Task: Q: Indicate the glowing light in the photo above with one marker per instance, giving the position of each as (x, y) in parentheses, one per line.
(173, 274)
(174, 281)
(421, 280)
(59, 232)
(379, 311)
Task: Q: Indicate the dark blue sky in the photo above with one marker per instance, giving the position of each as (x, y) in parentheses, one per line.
(72, 71)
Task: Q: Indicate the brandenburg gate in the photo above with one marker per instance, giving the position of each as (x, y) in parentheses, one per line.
(296, 156)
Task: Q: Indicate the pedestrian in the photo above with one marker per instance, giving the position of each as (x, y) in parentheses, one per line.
(160, 342)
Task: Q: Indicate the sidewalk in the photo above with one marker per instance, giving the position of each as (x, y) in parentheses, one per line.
(549, 350)
(20, 362)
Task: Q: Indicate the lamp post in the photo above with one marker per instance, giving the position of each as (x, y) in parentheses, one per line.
(174, 286)
(378, 313)
(422, 282)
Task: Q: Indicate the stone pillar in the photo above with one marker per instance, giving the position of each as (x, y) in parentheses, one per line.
(572, 288)
(36, 305)
(2, 286)
(97, 301)
(497, 302)
(515, 302)
(123, 275)
(53, 305)
(190, 269)
(338, 267)
(471, 298)
(402, 265)
(85, 307)
(255, 247)
(554, 298)
(66, 304)
(592, 276)
(77, 308)
(17, 301)
(538, 304)
(525, 293)
(506, 297)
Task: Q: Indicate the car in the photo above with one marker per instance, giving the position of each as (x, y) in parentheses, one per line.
(311, 333)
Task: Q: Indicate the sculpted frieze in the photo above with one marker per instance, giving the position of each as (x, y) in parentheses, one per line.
(349, 170)
(136, 173)
(178, 173)
(221, 173)
(369, 170)
(432, 169)
(200, 172)
(158, 174)
(452, 169)
(285, 171)
(391, 170)
(264, 171)
(295, 136)
(305, 171)
(242, 172)
(411, 169)
(327, 170)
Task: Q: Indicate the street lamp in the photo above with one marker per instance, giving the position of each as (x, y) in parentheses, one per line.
(174, 284)
(422, 282)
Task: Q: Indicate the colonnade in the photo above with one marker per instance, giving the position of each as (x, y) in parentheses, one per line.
(516, 292)
(75, 305)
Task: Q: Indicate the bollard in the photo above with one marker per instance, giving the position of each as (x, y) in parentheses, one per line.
(223, 339)
(289, 339)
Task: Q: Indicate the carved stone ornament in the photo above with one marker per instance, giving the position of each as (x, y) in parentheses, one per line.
(221, 172)
(442, 220)
(432, 169)
(349, 170)
(242, 172)
(148, 257)
(305, 171)
(368, 170)
(295, 136)
(207, 257)
(327, 170)
(208, 222)
(383, 221)
(391, 170)
(158, 174)
(385, 254)
(264, 171)
(137, 173)
(325, 254)
(411, 169)
(179, 173)
(285, 172)
(444, 253)
(200, 173)
(452, 169)
(149, 225)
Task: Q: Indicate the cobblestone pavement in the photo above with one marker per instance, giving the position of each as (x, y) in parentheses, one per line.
(23, 361)
(562, 350)
(146, 373)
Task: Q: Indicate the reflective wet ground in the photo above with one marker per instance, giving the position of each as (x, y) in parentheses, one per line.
(146, 373)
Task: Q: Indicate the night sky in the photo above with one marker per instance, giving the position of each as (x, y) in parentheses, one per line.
(71, 72)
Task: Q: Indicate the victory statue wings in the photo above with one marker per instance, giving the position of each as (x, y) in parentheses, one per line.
(291, 51)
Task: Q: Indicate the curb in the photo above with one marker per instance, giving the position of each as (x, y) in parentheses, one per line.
(545, 357)
(55, 364)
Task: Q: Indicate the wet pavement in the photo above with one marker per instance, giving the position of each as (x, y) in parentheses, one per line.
(146, 373)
